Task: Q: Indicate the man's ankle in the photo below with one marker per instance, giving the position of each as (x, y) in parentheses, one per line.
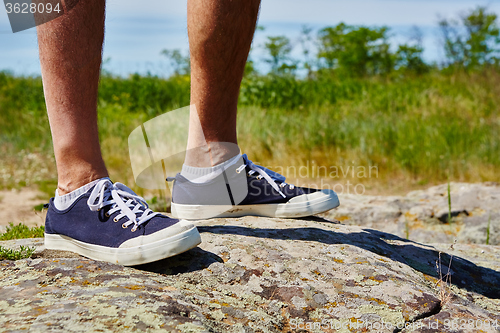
(68, 185)
(212, 154)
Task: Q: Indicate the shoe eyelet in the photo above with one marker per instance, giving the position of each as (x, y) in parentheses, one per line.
(106, 214)
(98, 209)
(237, 171)
(124, 226)
(115, 220)
(134, 229)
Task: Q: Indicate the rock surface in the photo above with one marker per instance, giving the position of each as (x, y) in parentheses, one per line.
(261, 275)
(422, 216)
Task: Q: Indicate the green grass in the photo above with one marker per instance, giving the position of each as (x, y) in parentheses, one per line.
(449, 203)
(159, 203)
(21, 231)
(488, 230)
(415, 130)
(17, 232)
(10, 254)
(407, 229)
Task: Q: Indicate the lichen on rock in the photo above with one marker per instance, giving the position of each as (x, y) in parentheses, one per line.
(256, 274)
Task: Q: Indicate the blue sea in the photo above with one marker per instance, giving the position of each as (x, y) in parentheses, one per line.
(137, 31)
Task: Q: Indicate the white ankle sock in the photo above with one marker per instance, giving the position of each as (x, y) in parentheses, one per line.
(63, 202)
(203, 175)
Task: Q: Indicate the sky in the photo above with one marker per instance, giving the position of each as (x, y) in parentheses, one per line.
(137, 31)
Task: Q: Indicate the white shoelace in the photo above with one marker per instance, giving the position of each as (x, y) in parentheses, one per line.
(106, 193)
(263, 174)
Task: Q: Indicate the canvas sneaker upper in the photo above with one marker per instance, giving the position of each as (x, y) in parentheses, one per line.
(111, 219)
(248, 186)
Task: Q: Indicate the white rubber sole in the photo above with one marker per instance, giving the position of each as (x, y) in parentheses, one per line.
(304, 205)
(130, 256)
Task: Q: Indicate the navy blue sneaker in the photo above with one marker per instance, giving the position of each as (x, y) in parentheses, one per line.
(247, 189)
(111, 223)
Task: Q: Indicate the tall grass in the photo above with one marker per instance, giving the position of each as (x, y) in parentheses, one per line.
(420, 129)
(425, 127)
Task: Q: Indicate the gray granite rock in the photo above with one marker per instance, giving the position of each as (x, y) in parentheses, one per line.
(260, 275)
(422, 216)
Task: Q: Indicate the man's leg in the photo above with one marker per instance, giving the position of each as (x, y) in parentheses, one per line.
(212, 182)
(70, 56)
(90, 215)
(220, 35)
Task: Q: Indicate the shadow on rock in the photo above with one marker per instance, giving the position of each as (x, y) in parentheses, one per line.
(193, 260)
(317, 219)
(465, 274)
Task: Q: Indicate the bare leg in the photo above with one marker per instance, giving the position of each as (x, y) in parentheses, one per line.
(70, 56)
(220, 35)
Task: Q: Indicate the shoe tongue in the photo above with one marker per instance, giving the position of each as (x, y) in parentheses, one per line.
(274, 175)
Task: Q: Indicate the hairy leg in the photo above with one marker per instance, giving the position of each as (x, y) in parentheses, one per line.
(70, 56)
(220, 35)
